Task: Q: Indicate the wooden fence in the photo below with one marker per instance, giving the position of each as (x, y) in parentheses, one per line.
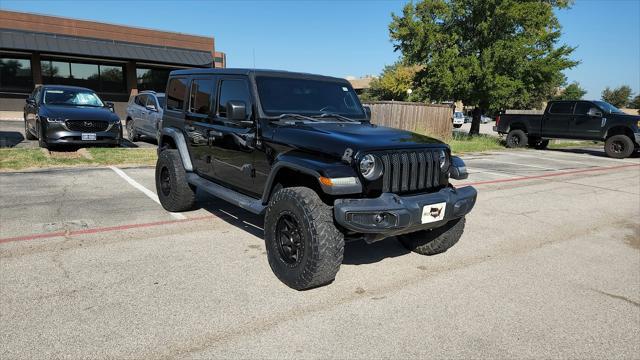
(432, 120)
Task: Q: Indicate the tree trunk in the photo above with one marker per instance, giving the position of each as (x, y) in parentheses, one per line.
(475, 122)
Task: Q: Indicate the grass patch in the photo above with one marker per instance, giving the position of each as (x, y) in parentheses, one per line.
(463, 143)
(18, 159)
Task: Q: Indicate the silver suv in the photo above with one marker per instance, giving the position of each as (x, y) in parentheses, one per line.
(144, 115)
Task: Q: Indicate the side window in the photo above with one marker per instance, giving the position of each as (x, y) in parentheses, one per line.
(582, 108)
(236, 90)
(140, 100)
(176, 92)
(151, 100)
(561, 108)
(201, 96)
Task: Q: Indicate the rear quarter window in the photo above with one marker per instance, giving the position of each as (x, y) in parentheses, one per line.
(176, 93)
(561, 108)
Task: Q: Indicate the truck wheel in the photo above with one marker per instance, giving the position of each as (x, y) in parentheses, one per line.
(618, 146)
(434, 241)
(174, 192)
(304, 248)
(538, 143)
(516, 138)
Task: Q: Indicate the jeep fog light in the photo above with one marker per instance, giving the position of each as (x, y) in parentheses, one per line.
(374, 219)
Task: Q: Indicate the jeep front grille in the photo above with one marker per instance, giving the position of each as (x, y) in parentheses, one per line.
(87, 125)
(406, 171)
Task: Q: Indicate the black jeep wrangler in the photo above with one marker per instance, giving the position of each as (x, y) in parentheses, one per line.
(300, 148)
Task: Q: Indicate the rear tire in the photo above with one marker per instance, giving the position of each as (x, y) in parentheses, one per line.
(174, 192)
(516, 138)
(619, 146)
(304, 247)
(434, 241)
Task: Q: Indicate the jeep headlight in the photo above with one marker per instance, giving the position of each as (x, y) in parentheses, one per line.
(443, 159)
(52, 119)
(370, 167)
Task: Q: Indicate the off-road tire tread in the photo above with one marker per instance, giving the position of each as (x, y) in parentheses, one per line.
(629, 146)
(523, 138)
(327, 242)
(435, 241)
(183, 195)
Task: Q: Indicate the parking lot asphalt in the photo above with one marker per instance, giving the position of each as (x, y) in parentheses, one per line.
(548, 267)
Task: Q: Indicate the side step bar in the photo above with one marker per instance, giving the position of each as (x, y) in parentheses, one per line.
(246, 202)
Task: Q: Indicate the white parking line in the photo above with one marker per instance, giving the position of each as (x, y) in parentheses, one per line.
(144, 190)
(587, 156)
(503, 175)
(518, 164)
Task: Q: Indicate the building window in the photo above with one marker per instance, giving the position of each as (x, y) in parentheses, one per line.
(15, 75)
(98, 77)
(152, 79)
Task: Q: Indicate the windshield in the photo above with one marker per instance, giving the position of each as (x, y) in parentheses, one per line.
(307, 97)
(608, 107)
(458, 114)
(71, 97)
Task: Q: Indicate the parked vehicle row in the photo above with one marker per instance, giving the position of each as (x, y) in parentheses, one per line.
(579, 120)
(69, 115)
(144, 115)
(301, 150)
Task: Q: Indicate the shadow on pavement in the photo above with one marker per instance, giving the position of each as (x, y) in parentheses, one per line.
(10, 139)
(355, 252)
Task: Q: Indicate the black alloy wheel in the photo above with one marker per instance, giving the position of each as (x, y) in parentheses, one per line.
(289, 238)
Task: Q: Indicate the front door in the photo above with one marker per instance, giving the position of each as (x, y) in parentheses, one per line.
(584, 126)
(556, 120)
(233, 141)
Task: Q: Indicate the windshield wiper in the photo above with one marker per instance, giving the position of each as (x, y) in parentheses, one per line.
(337, 116)
(295, 116)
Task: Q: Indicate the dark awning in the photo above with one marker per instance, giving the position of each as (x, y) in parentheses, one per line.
(62, 44)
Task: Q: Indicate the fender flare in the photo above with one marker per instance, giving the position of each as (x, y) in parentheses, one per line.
(306, 166)
(181, 145)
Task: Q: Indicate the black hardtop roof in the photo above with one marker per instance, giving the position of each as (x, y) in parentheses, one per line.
(257, 72)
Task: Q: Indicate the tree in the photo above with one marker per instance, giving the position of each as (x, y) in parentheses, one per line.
(394, 83)
(572, 92)
(618, 97)
(492, 54)
(635, 103)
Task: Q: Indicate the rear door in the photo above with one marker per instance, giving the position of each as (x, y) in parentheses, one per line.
(150, 115)
(556, 119)
(584, 126)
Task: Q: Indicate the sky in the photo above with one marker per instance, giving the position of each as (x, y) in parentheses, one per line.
(351, 38)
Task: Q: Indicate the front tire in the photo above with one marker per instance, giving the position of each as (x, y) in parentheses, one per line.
(27, 133)
(516, 138)
(42, 140)
(132, 135)
(434, 241)
(304, 248)
(174, 192)
(619, 146)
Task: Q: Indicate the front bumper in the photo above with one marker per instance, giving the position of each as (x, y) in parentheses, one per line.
(59, 134)
(391, 214)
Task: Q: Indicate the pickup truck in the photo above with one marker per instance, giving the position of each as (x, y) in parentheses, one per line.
(581, 120)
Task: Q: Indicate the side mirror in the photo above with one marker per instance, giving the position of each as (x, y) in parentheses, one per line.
(458, 169)
(31, 101)
(236, 110)
(367, 112)
(594, 112)
(151, 107)
(110, 105)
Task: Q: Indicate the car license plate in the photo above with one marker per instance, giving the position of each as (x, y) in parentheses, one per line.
(433, 212)
(88, 136)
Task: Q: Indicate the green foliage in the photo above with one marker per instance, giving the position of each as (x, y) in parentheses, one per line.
(618, 97)
(494, 54)
(393, 83)
(635, 103)
(572, 92)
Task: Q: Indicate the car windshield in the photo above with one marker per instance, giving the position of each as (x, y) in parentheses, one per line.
(281, 95)
(161, 101)
(71, 97)
(608, 107)
(458, 114)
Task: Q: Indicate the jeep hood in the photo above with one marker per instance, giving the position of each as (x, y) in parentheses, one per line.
(334, 138)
